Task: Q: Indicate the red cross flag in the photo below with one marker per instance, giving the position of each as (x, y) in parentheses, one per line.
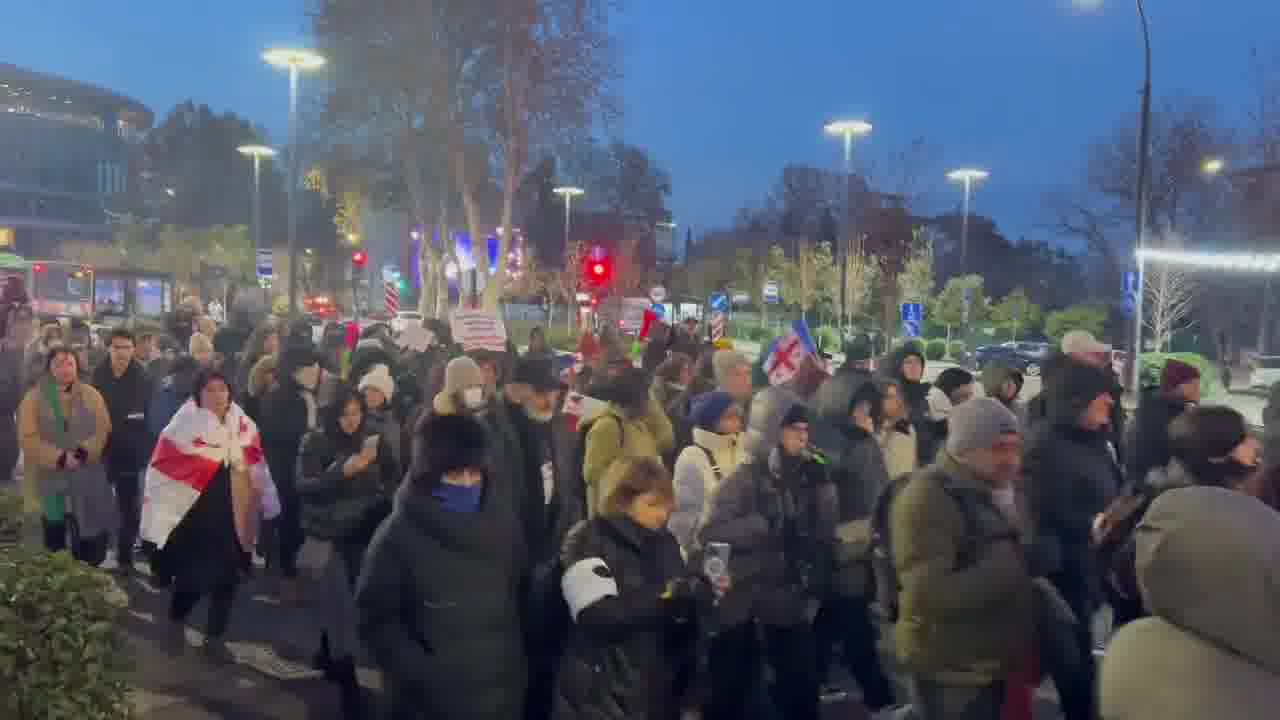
(788, 352)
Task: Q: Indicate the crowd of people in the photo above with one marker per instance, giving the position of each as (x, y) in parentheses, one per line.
(698, 545)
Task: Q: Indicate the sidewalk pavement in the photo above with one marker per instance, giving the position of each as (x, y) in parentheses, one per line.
(271, 679)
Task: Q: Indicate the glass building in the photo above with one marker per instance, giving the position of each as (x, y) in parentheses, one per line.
(68, 155)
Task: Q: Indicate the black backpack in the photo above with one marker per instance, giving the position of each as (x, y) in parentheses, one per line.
(576, 483)
(885, 573)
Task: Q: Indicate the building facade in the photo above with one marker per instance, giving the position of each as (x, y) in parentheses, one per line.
(68, 156)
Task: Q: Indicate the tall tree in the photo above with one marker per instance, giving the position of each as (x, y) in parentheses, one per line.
(1016, 315)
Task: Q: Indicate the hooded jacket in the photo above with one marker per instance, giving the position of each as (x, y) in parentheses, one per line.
(1151, 443)
(1054, 365)
(856, 466)
(696, 481)
(438, 606)
(1208, 570)
(930, 431)
(130, 443)
(993, 379)
(1072, 475)
(615, 434)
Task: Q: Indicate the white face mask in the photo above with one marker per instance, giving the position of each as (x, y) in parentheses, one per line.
(473, 398)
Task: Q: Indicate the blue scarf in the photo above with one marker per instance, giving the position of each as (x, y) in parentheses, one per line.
(458, 498)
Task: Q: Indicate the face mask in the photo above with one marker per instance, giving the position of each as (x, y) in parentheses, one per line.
(473, 398)
(1005, 499)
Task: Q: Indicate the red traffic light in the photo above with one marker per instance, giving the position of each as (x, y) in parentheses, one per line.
(39, 267)
(359, 258)
(598, 270)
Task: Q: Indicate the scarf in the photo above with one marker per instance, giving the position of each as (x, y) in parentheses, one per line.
(458, 498)
(192, 449)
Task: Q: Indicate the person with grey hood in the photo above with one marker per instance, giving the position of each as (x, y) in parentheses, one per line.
(1207, 566)
(776, 514)
(850, 410)
(906, 365)
(1004, 384)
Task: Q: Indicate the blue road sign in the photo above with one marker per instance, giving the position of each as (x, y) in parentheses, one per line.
(264, 264)
(912, 319)
(719, 302)
(771, 293)
(1129, 290)
(660, 310)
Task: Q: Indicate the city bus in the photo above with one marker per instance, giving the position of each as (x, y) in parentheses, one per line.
(56, 288)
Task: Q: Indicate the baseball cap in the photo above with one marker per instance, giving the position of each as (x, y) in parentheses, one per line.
(1082, 341)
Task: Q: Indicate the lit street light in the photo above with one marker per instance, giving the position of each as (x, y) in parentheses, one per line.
(1213, 166)
(294, 60)
(568, 192)
(257, 152)
(966, 177)
(848, 131)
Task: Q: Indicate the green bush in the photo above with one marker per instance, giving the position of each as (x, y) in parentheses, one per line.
(1153, 365)
(61, 656)
(760, 333)
(827, 337)
(935, 349)
(957, 348)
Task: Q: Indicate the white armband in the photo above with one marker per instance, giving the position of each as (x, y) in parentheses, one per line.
(585, 583)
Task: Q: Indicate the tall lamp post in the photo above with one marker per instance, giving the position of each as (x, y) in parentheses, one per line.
(257, 152)
(294, 60)
(848, 131)
(569, 192)
(966, 177)
(1144, 161)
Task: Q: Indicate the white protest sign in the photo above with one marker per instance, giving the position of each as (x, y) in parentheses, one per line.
(479, 330)
(415, 338)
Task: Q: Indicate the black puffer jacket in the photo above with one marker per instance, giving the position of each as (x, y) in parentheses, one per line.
(336, 507)
(1151, 443)
(439, 609)
(130, 443)
(1071, 475)
(1054, 366)
(630, 651)
(778, 515)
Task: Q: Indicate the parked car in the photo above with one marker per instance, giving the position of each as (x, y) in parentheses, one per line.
(1028, 360)
(1266, 371)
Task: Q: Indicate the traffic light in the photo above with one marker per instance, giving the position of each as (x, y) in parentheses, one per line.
(359, 259)
(39, 267)
(598, 268)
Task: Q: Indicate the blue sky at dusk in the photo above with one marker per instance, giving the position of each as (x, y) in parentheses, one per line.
(725, 93)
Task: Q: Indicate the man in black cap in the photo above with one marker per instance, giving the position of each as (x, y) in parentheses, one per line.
(531, 398)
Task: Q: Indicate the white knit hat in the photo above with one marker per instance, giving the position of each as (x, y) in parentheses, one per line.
(379, 377)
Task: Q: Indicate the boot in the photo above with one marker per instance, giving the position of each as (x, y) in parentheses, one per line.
(353, 705)
(175, 641)
(216, 652)
(322, 660)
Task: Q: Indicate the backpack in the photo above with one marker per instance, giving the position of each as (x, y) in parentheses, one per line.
(576, 483)
(1116, 553)
(884, 605)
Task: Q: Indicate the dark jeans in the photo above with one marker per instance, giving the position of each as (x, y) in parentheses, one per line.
(128, 486)
(734, 661)
(933, 701)
(184, 601)
(91, 551)
(286, 536)
(846, 622)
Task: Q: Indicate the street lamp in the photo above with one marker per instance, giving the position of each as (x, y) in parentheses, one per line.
(568, 192)
(967, 177)
(294, 60)
(847, 130)
(257, 152)
(1213, 166)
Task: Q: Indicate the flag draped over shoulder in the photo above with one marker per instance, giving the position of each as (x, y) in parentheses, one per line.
(788, 353)
(188, 455)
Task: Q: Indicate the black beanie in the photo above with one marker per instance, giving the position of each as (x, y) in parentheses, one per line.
(1072, 389)
(797, 414)
(446, 443)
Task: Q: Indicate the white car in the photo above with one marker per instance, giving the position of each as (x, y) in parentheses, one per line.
(1266, 371)
(405, 318)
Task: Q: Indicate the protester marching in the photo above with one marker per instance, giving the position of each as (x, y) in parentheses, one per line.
(641, 532)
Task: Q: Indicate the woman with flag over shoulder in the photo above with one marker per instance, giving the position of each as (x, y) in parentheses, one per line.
(207, 488)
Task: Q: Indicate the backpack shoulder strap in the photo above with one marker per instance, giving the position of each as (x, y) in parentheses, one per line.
(968, 503)
(711, 459)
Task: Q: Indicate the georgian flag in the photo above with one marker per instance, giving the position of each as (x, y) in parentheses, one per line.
(788, 353)
(190, 451)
